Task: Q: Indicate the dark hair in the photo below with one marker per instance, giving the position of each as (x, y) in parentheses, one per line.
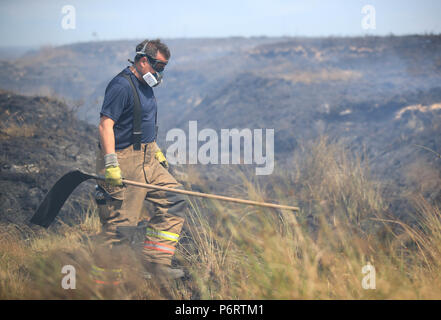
(152, 48)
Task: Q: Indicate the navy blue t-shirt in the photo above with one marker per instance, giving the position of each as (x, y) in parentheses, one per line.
(118, 105)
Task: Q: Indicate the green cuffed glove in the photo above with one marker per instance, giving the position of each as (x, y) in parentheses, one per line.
(113, 172)
(161, 158)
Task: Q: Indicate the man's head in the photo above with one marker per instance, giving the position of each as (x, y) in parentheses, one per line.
(151, 56)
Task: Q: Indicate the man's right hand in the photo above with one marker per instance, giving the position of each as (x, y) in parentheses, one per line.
(113, 172)
(113, 175)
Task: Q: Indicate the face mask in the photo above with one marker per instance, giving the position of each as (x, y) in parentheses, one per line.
(152, 80)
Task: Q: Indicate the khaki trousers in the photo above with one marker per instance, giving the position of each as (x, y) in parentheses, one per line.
(124, 208)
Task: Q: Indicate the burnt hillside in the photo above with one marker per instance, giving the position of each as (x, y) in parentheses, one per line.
(40, 139)
(379, 96)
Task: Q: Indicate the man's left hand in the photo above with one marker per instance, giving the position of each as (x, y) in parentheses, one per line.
(161, 158)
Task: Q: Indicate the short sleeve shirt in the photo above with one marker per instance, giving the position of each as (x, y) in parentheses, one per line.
(118, 105)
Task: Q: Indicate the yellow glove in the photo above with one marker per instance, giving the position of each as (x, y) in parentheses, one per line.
(113, 176)
(161, 158)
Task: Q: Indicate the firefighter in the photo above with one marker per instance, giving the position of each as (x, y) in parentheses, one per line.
(127, 149)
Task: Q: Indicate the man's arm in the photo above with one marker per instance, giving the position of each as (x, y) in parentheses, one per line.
(115, 100)
(107, 141)
(107, 135)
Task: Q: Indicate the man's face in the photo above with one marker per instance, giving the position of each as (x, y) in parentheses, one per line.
(145, 66)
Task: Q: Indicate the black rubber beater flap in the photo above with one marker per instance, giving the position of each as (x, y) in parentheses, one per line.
(57, 195)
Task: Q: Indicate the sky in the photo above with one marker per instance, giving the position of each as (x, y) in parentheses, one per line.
(43, 22)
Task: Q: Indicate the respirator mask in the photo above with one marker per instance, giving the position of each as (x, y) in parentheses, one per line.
(152, 79)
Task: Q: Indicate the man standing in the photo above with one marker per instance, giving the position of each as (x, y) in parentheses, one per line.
(128, 149)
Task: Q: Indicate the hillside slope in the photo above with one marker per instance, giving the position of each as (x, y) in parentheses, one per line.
(41, 140)
(378, 95)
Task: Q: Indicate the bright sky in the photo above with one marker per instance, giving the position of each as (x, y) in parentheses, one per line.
(35, 23)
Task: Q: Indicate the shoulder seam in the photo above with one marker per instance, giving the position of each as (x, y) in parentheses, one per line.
(126, 80)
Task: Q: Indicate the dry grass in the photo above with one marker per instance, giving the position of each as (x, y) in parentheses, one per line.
(236, 252)
(285, 71)
(322, 76)
(23, 131)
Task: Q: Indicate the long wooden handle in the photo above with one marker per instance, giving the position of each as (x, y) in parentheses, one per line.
(205, 195)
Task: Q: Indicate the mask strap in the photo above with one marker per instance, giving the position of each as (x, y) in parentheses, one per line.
(143, 49)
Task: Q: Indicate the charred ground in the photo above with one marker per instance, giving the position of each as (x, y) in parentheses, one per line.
(40, 139)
